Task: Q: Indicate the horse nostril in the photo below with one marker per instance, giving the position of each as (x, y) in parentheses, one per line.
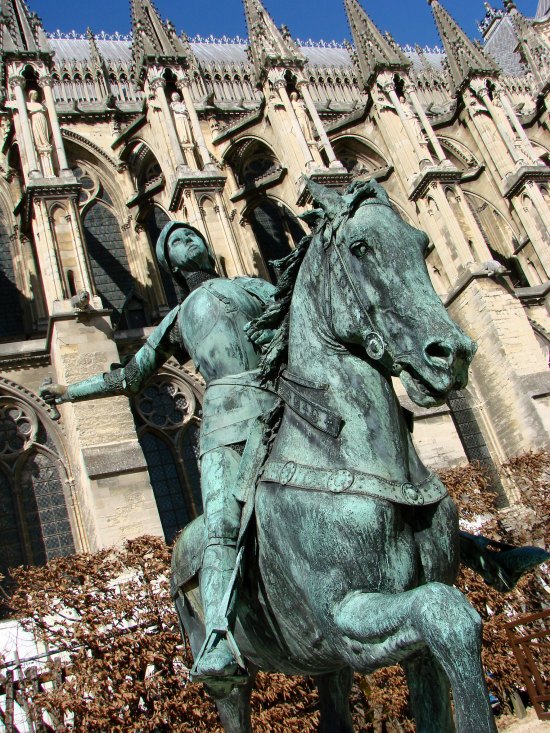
(439, 350)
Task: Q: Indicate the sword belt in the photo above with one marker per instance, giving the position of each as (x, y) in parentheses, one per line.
(342, 481)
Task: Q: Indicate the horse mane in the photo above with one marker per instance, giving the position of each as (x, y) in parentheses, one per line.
(334, 209)
(277, 315)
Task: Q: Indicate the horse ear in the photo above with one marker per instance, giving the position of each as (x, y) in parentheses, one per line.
(361, 190)
(327, 198)
(312, 217)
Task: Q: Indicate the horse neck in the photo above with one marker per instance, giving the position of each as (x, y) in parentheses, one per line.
(374, 437)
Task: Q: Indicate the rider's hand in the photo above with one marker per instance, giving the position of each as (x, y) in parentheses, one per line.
(52, 393)
(259, 337)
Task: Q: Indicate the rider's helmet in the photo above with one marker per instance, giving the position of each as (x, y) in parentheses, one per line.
(163, 249)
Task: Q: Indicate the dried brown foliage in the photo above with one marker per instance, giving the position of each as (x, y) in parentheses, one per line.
(126, 660)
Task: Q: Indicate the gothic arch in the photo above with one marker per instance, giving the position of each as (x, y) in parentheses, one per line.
(358, 155)
(496, 229)
(167, 417)
(114, 282)
(276, 229)
(84, 154)
(251, 159)
(458, 153)
(11, 323)
(40, 518)
(143, 163)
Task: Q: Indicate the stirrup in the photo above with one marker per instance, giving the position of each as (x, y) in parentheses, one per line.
(241, 677)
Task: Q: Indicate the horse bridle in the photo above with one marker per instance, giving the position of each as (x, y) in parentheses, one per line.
(375, 346)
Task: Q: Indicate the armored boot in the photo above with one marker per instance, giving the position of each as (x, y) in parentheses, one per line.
(217, 658)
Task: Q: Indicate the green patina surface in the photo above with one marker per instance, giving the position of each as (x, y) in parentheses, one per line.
(350, 562)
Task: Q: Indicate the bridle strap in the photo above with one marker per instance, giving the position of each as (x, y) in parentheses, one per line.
(375, 345)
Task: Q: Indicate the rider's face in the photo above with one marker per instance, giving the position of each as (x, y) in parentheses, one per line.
(187, 251)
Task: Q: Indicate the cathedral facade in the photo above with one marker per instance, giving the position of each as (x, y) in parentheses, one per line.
(104, 139)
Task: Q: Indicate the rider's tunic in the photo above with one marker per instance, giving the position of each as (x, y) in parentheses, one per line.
(211, 326)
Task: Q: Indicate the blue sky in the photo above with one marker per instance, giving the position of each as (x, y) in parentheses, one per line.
(410, 21)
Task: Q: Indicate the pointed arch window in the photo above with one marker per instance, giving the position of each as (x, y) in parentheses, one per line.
(34, 487)
(155, 222)
(111, 272)
(167, 416)
(276, 230)
(11, 323)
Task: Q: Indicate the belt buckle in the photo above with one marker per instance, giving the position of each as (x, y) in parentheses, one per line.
(411, 493)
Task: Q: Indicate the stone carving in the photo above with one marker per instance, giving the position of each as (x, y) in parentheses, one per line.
(41, 133)
(302, 115)
(412, 117)
(181, 120)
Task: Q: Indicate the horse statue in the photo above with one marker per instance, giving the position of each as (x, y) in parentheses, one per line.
(353, 549)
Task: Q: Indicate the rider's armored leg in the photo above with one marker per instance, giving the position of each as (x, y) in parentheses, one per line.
(222, 511)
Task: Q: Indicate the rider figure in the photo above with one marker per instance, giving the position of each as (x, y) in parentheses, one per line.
(209, 327)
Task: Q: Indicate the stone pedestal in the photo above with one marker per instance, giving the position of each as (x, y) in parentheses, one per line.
(112, 483)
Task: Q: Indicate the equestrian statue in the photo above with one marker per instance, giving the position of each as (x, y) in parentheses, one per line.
(326, 546)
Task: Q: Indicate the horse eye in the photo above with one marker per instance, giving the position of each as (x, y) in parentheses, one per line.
(359, 249)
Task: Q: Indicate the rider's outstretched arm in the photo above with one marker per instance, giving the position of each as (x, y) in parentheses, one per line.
(127, 380)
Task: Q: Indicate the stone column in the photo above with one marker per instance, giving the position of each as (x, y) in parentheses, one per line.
(428, 129)
(462, 250)
(46, 251)
(236, 254)
(184, 85)
(483, 93)
(17, 84)
(303, 87)
(157, 85)
(45, 82)
(280, 85)
(79, 246)
(526, 143)
(388, 86)
(429, 222)
(113, 486)
(495, 150)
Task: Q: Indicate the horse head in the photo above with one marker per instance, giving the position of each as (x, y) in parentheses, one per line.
(381, 297)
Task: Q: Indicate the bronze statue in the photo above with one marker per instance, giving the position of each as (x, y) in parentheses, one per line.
(346, 274)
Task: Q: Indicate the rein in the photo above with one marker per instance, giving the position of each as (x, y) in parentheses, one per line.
(375, 346)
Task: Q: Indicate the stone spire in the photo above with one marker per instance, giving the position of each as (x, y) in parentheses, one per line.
(153, 40)
(270, 47)
(375, 53)
(98, 60)
(533, 46)
(465, 60)
(22, 31)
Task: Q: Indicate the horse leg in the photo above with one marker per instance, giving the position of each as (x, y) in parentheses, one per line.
(334, 691)
(234, 708)
(429, 695)
(390, 625)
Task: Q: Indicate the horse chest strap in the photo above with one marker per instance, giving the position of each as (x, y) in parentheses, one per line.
(310, 411)
(342, 481)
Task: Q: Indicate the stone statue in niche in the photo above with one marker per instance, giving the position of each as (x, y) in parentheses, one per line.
(41, 133)
(182, 124)
(302, 115)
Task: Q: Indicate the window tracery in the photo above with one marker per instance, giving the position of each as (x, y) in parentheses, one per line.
(167, 415)
(34, 523)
